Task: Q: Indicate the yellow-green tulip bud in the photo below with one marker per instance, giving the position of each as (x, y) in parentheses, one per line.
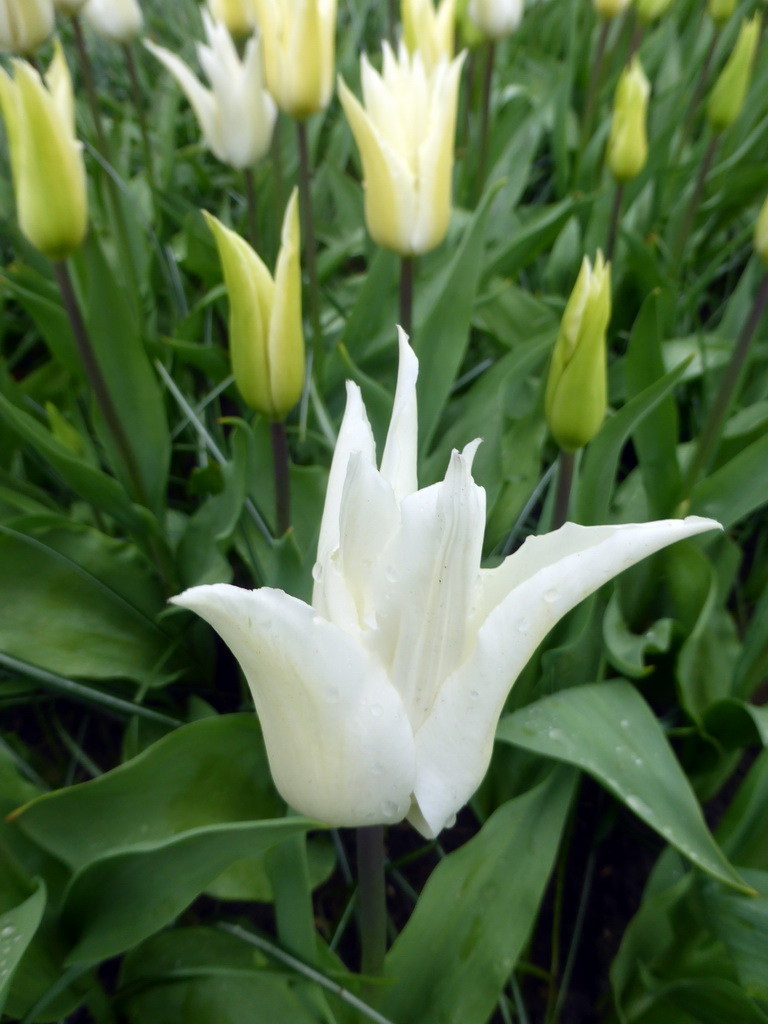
(25, 24)
(628, 139)
(730, 91)
(575, 400)
(761, 233)
(608, 9)
(238, 15)
(266, 339)
(650, 10)
(721, 10)
(469, 34)
(299, 53)
(46, 158)
(405, 134)
(428, 29)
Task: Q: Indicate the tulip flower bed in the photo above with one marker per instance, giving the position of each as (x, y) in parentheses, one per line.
(383, 488)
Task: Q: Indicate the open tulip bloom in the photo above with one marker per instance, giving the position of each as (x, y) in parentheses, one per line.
(379, 701)
(405, 133)
(237, 114)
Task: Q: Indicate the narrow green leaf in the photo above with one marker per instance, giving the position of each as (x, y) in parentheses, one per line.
(609, 731)
(735, 490)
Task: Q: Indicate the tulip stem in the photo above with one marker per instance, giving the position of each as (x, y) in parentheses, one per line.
(564, 486)
(696, 98)
(96, 378)
(310, 253)
(595, 77)
(613, 226)
(677, 251)
(281, 463)
(141, 116)
(406, 294)
(90, 89)
(250, 203)
(718, 414)
(373, 905)
(485, 117)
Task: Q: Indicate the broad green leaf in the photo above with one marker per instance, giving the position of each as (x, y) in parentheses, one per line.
(628, 650)
(741, 922)
(609, 731)
(89, 483)
(741, 831)
(735, 490)
(476, 913)
(201, 976)
(734, 723)
(707, 1001)
(116, 337)
(527, 239)
(17, 929)
(655, 436)
(126, 896)
(598, 468)
(79, 603)
(442, 336)
(213, 771)
(41, 299)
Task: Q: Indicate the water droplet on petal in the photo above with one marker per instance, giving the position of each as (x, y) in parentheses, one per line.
(390, 574)
(377, 768)
(551, 595)
(474, 694)
(333, 695)
(388, 808)
(624, 723)
(317, 572)
(8, 931)
(523, 625)
(555, 734)
(377, 710)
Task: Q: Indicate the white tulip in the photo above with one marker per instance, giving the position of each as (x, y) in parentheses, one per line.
(69, 6)
(25, 24)
(237, 114)
(118, 20)
(495, 18)
(380, 700)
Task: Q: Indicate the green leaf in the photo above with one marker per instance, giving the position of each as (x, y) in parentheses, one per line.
(95, 598)
(41, 299)
(86, 481)
(476, 913)
(126, 896)
(598, 468)
(735, 490)
(609, 731)
(212, 771)
(526, 240)
(741, 831)
(201, 976)
(17, 929)
(628, 650)
(741, 922)
(115, 333)
(441, 336)
(655, 436)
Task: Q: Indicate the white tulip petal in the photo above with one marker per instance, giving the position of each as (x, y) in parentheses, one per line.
(398, 463)
(428, 585)
(338, 739)
(355, 435)
(201, 99)
(544, 580)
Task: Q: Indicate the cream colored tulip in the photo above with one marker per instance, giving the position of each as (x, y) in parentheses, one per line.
(405, 133)
(429, 29)
(118, 20)
(238, 15)
(69, 6)
(25, 24)
(237, 114)
(46, 158)
(299, 52)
